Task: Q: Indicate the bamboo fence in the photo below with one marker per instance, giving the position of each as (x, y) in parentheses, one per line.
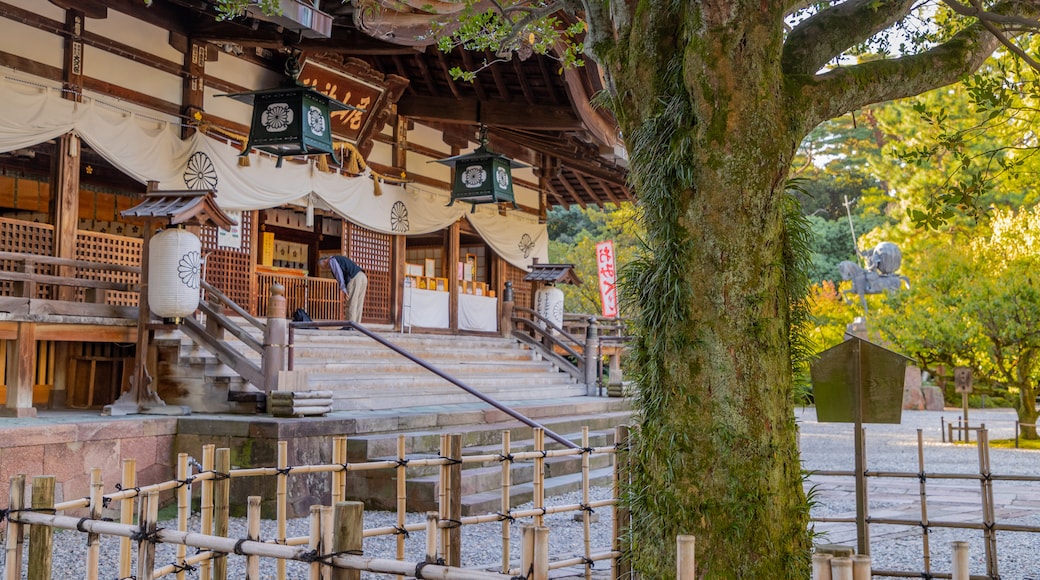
(333, 548)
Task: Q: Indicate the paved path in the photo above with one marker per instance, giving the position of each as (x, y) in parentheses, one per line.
(894, 448)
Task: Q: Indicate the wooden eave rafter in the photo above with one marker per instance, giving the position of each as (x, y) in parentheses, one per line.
(475, 111)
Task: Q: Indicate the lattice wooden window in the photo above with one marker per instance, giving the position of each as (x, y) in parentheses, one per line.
(110, 249)
(230, 270)
(523, 291)
(372, 251)
(26, 238)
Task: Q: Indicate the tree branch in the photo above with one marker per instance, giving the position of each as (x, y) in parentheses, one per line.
(987, 19)
(825, 35)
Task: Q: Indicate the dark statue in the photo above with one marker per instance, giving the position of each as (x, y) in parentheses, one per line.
(879, 276)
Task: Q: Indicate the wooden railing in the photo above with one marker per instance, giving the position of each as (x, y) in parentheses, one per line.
(43, 285)
(320, 297)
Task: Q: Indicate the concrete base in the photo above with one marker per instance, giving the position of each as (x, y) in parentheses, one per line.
(29, 413)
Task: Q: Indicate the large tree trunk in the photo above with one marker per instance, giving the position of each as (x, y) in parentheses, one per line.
(710, 142)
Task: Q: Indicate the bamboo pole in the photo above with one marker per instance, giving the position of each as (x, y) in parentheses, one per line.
(126, 514)
(988, 511)
(960, 561)
(586, 511)
(281, 500)
(861, 567)
(41, 538)
(442, 500)
(402, 497)
(541, 553)
(686, 558)
(221, 509)
(453, 555)
(206, 506)
(248, 547)
(507, 465)
(841, 568)
(348, 522)
(821, 566)
(148, 514)
(97, 502)
(432, 531)
(622, 462)
(327, 539)
(15, 530)
(183, 507)
(339, 478)
(253, 533)
(539, 475)
(527, 551)
(314, 573)
(924, 503)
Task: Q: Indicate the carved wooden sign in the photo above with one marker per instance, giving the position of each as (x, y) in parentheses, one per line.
(355, 85)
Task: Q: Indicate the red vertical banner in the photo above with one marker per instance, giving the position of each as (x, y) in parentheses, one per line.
(607, 277)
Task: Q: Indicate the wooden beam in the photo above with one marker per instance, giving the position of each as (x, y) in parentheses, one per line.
(572, 191)
(492, 114)
(66, 204)
(22, 373)
(447, 75)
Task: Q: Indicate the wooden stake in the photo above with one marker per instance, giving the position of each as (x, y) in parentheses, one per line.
(821, 566)
(541, 553)
(97, 490)
(253, 533)
(327, 539)
(924, 504)
(960, 561)
(339, 478)
(431, 536)
(861, 567)
(685, 558)
(507, 465)
(183, 506)
(221, 507)
(41, 538)
(539, 475)
(527, 551)
(148, 514)
(281, 501)
(206, 507)
(315, 541)
(586, 511)
(402, 498)
(349, 522)
(841, 568)
(15, 530)
(622, 517)
(126, 515)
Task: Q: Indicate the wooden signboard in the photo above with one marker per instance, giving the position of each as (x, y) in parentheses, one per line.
(351, 126)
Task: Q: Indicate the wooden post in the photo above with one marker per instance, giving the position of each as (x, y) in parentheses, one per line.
(41, 537)
(402, 497)
(454, 255)
(527, 551)
(432, 531)
(841, 568)
(592, 357)
(507, 471)
(924, 505)
(861, 567)
(539, 475)
(213, 327)
(97, 491)
(314, 541)
(960, 561)
(221, 507)
(505, 325)
(586, 514)
(183, 508)
(453, 555)
(126, 515)
(253, 533)
(327, 540)
(66, 204)
(22, 373)
(281, 500)
(276, 337)
(339, 478)
(348, 524)
(15, 533)
(685, 558)
(821, 566)
(541, 553)
(148, 516)
(206, 506)
(622, 516)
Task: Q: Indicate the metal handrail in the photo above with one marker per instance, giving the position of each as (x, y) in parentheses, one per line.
(426, 365)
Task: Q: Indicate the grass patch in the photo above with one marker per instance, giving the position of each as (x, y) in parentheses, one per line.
(1010, 443)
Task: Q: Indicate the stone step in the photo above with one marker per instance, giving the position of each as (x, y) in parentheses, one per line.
(396, 400)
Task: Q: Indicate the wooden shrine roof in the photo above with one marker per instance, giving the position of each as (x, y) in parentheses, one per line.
(533, 112)
(556, 273)
(191, 207)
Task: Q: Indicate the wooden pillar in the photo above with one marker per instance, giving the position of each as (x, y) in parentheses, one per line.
(453, 277)
(397, 280)
(65, 208)
(22, 373)
(275, 339)
(192, 95)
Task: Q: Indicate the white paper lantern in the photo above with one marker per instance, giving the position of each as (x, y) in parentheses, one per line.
(174, 271)
(549, 304)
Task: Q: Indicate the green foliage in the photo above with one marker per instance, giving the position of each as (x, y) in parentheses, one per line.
(230, 9)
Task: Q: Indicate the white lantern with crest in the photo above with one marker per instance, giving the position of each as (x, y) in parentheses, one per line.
(174, 271)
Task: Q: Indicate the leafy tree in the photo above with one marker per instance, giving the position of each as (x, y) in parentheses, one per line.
(978, 304)
(713, 99)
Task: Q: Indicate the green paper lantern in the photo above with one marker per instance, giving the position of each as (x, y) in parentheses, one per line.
(482, 176)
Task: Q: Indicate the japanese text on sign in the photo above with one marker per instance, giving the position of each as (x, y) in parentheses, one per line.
(607, 277)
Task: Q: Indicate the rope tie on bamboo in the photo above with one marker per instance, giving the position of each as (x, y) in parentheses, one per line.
(344, 467)
(283, 470)
(238, 546)
(589, 562)
(922, 477)
(150, 537)
(508, 457)
(400, 531)
(137, 489)
(219, 475)
(544, 453)
(505, 517)
(313, 556)
(418, 567)
(186, 481)
(403, 462)
(183, 567)
(451, 524)
(450, 460)
(586, 508)
(588, 450)
(105, 500)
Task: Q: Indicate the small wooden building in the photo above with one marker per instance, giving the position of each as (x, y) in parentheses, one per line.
(101, 97)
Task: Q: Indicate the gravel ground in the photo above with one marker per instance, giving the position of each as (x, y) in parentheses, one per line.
(825, 446)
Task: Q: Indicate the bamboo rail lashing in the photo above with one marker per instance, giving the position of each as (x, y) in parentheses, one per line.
(507, 466)
(97, 502)
(221, 508)
(205, 507)
(339, 478)
(402, 496)
(281, 500)
(539, 472)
